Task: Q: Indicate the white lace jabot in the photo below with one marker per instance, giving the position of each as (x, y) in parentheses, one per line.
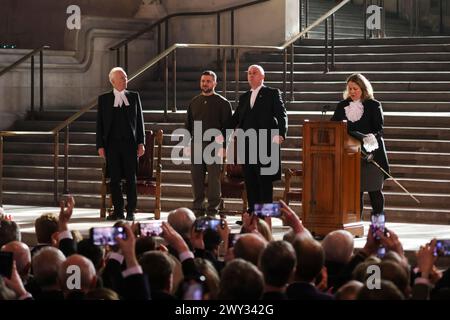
(354, 111)
(120, 98)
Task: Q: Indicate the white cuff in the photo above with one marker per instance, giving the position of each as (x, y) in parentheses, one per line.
(131, 271)
(185, 255)
(26, 295)
(116, 256)
(65, 235)
(370, 142)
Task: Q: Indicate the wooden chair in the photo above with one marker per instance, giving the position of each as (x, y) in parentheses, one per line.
(148, 174)
(289, 193)
(232, 182)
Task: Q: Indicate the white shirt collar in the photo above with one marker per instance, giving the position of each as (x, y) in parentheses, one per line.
(254, 94)
(120, 98)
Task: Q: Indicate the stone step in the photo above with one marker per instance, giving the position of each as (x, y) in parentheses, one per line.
(354, 57)
(303, 47)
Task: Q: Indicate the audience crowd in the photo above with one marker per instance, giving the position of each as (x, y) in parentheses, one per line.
(186, 264)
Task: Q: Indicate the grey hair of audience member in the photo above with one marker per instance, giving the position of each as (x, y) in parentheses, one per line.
(338, 246)
(181, 220)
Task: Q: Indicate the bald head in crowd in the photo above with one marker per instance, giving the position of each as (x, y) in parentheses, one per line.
(22, 257)
(181, 220)
(338, 246)
(46, 264)
(249, 247)
(88, 275)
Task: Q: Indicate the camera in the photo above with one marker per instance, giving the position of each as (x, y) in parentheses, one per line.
(378, 223)
(102, 236)
(442, 248)
(6, 264)
(201, 224)
(150, 229)
(268, 210)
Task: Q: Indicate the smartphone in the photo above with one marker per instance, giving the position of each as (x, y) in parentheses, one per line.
(193, 291)
(102, 236)
(201, 224)
(232, 239)
(442, 248)
(150, 229)
(268, 210)
(378, 223)
(6, 264)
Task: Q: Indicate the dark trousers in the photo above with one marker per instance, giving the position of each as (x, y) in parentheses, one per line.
(121, 159)
(259, 187)
(376, 200)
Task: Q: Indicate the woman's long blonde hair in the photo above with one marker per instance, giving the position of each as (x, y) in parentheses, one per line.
(363, 83)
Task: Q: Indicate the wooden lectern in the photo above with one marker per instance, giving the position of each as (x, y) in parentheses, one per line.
(331, 178)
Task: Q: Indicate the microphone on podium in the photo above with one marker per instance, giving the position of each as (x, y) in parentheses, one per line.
(325, 108)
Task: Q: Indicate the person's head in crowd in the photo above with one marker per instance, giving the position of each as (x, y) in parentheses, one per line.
(101, 294)
(22, 257)
(310, 259)
(144, 244)
(9, 231)
(395, 257)
(158, 267)
(277, 263)
(387, 291)
(181, 220)
(349, 291)
(394, 272)
(360, 272)
(264, 229)
(94, 253)
(76, 235)
(5, 292)
(88, 275)
(212, 240)
(338, 246)
(206, 268)
(291, 236)
(46, 228)
(46, 264)
(241, 280)
(249, 247)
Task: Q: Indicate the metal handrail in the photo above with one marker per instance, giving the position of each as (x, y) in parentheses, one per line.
(41, 75)
(165, 20)
(164, 55)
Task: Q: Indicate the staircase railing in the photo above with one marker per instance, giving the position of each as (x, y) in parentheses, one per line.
(165, 21)
(31, 55)
(236, 49)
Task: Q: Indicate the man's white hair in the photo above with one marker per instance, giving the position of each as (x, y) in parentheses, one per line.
(257, 66)
(115, 69)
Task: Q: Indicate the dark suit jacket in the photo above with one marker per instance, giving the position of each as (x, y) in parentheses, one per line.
(105, 117)
(268, 112)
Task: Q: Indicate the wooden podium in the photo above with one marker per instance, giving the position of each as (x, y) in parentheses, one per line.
(331, 178)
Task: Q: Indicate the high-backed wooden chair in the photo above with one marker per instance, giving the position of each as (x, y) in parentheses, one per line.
(232, 181)
(148, 174)
(289, 192)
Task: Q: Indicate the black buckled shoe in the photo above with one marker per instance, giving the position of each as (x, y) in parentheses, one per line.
(130, 217)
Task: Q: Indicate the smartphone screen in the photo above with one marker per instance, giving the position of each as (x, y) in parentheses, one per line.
(193, 291)
(442, 248)
(6, 264)
(201, 224)
(150, 229)
(103, 236)
(268, 210)
(378, 222)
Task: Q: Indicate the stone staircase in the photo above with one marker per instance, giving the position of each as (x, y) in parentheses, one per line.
(349, 21)
(411, 78)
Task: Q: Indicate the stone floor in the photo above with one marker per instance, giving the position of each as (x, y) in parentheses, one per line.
(411, 235)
